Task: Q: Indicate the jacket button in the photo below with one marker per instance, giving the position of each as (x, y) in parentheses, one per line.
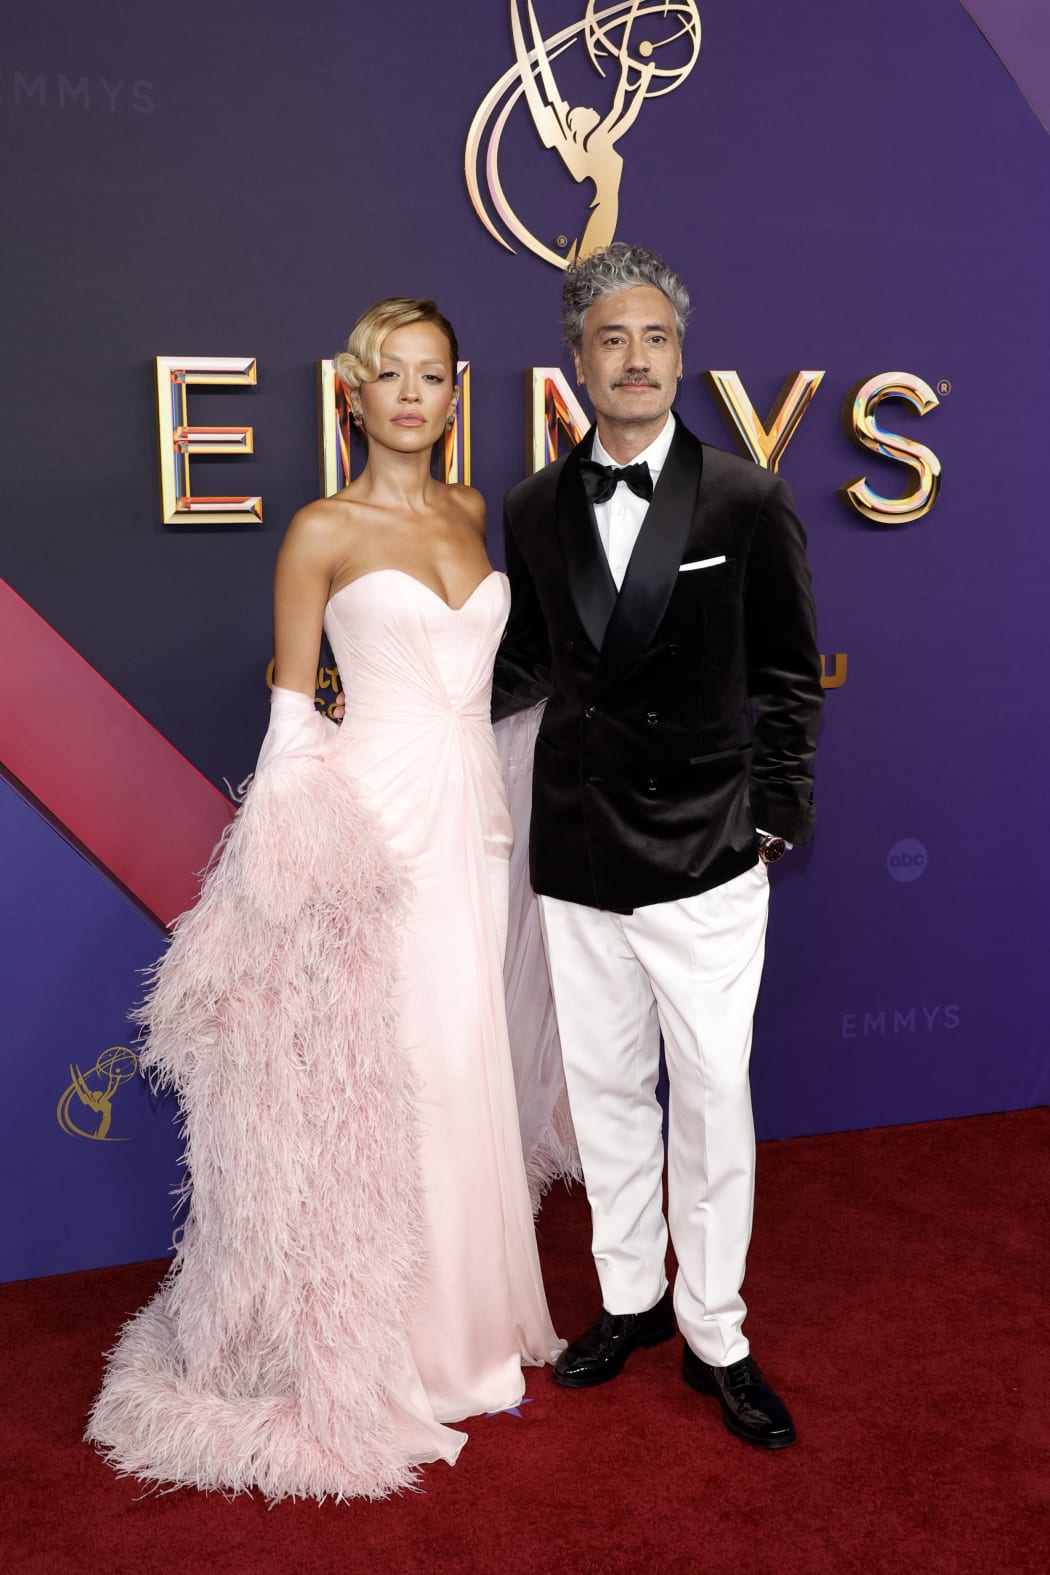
(592, 710)
(652, 717)
(672, 650)
(568, 645)
(652, 784)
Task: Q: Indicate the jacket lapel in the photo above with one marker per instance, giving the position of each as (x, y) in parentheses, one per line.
(657, 556)
(591, 585)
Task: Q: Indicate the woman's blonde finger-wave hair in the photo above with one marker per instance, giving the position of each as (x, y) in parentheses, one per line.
(359, 362)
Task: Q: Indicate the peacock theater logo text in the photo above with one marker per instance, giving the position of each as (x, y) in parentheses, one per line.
(641, 50)
(327, 684)
(85, 1108)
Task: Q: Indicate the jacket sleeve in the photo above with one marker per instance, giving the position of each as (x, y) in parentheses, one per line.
(783, 669)
(523, 663)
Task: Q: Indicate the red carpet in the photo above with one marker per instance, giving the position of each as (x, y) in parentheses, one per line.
(899, 1300)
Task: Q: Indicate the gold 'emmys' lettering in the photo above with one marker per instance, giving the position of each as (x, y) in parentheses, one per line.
(859, 416)
(839, 668)
(554, 416)
(552, 412)
(455, 448)
(765, 441)
(179, 442)
(334, 428)
(85, 1108)
(653, 44)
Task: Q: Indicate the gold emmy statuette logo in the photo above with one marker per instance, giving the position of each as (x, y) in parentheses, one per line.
(651, 46)
(94, 1090)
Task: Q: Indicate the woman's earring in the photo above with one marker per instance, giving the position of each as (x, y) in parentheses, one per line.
(355, 416)
(450, 423)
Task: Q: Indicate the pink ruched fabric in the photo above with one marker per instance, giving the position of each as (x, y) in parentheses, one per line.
(418, 739)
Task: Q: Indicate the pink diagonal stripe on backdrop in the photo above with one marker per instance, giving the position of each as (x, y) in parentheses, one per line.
(139, 808)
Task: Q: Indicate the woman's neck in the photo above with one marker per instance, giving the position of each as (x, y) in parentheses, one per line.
(399, 480)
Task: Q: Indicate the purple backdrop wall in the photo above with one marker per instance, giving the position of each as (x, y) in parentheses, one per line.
(852, 189)
(88, 1179)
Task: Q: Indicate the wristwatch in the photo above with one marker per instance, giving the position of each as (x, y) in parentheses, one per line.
(771, 848)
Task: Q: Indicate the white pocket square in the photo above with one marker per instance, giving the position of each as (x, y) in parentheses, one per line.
(702, 563)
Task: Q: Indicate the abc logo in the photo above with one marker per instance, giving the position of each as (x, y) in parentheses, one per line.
(906, 859)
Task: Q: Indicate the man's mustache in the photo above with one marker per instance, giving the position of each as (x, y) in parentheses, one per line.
(635, 380)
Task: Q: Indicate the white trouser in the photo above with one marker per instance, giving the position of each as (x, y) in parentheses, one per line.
(690, 969)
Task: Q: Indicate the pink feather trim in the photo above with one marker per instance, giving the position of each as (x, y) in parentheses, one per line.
(267, 1356)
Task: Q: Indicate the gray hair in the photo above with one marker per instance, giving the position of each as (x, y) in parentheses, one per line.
(617, 267)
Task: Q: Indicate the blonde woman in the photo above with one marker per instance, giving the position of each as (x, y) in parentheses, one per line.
(358, 1267)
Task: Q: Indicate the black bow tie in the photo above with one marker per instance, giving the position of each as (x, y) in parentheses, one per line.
(600, 480)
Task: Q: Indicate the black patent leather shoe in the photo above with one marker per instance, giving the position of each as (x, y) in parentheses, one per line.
(750, 1409)
(600, 1354)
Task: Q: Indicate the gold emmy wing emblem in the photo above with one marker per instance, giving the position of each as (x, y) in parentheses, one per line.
(89, 1097)
(650, 46)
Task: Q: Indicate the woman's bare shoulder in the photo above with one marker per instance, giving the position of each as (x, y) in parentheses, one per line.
(322, 528)
(469, 502)
(324, 517)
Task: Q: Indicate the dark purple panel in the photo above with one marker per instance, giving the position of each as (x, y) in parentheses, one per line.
(71, 952)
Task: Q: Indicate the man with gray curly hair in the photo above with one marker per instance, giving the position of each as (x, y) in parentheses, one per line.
(662, 606)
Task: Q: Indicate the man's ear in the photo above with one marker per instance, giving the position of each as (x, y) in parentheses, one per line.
(578, 364)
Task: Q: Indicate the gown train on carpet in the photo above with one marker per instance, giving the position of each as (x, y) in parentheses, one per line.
(358, 1265)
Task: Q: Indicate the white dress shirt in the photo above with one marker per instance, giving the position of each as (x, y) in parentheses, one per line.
(621, 518)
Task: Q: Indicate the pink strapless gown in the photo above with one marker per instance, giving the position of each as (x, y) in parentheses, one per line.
(418, 740)
(358, 1265)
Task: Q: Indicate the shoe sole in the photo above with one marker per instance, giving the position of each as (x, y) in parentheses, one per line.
(592, 1380)
(704, 1386)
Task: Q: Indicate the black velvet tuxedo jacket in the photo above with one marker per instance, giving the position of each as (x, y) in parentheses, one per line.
(682, 712)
